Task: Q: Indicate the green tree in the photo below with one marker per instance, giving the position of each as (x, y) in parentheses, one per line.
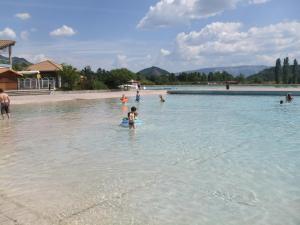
(240, 78)
(286, 70)
(295, 71)
(70, 77)
(117, 77)
(278, 71)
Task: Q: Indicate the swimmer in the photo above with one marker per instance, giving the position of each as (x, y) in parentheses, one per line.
(161, 98)
(281, 102)
(132, 115)
(124, 99)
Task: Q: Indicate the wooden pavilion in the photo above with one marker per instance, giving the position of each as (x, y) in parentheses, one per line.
(8, 77)
(48, 69)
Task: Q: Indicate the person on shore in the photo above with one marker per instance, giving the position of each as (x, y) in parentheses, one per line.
(5, 103)
(132, 115)
(227, 86)
(161, 98)
(137, 97)
(288, 98)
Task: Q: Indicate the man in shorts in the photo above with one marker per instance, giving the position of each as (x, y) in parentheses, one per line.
(4, 104)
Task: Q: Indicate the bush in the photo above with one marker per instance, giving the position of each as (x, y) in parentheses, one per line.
(98, 85)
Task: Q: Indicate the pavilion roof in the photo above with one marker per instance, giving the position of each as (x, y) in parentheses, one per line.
(47, 66)
(5, 71)
(6, 43)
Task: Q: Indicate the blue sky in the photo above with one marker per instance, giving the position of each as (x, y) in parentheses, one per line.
(176, 35)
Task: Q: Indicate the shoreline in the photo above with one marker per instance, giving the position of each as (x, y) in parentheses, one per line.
(59, 97)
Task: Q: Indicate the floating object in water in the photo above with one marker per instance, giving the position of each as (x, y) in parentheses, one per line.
(124, 100)
(125, 122)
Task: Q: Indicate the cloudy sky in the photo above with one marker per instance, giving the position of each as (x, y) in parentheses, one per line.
(176, 35)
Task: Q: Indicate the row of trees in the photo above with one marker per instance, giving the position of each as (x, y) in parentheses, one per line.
(87, 79)
(194, 77)
(103, 79)
(286, 74)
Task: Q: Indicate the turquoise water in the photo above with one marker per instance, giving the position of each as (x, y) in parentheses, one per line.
(209, 160)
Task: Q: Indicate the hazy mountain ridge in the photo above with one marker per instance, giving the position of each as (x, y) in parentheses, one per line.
(153, 71)
(15, 60)
(246, 70)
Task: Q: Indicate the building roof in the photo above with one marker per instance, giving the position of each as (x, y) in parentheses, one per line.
(6, 43)
(5, 71)
(45, 66)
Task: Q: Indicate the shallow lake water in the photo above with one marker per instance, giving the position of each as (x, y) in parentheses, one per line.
(232, 160)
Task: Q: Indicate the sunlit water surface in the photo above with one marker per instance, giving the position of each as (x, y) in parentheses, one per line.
(207, 160)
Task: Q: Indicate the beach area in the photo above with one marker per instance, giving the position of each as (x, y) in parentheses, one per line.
(58, 96)
(79, 95)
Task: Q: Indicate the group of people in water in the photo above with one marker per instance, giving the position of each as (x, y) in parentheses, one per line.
(132, 114)
(288, 98)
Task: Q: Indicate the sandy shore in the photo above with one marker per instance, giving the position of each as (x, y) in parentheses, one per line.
(57, 97)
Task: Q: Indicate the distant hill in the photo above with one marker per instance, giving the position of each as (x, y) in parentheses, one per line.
(16, 60)
(268, 75)
(153, 71)
(246, 70)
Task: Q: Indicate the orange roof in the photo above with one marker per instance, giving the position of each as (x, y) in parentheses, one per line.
(45, 66)
(4, 71)
(6, 43)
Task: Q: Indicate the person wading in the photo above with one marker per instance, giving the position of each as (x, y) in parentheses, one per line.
(5, 103)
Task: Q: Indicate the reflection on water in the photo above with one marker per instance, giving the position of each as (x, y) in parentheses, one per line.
(195, 160)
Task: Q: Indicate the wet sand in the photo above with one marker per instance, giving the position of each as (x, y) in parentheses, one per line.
(69, 96)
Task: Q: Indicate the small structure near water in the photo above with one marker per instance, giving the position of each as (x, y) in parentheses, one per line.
(8, 77)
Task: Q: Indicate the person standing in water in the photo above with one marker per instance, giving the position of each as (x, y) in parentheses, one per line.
(131, 117)
(5, 103)
(161, 98)
(288, 97)
(137, 97)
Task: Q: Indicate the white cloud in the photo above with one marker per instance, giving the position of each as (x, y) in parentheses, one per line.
(8, 33)
(164, 52)
(171, 12)
(63, 31)
(24, 35)
(34, 58)
(23, 16)
(226, 43)
(121, 61)
(258, 1)
(39, 58)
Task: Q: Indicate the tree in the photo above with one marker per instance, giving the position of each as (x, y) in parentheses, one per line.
(286, 70)
(117, 77)
(70, 77)
(240, 78)
(295, 71)
(278, 71)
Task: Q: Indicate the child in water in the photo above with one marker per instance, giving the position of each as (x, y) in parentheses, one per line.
(288, 98)
(137, 97)
(124, 99)
(131, 117)
(161, 98)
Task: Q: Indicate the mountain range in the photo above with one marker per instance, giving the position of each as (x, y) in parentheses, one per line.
(15, 60)
(153, 71)
(246, 70)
